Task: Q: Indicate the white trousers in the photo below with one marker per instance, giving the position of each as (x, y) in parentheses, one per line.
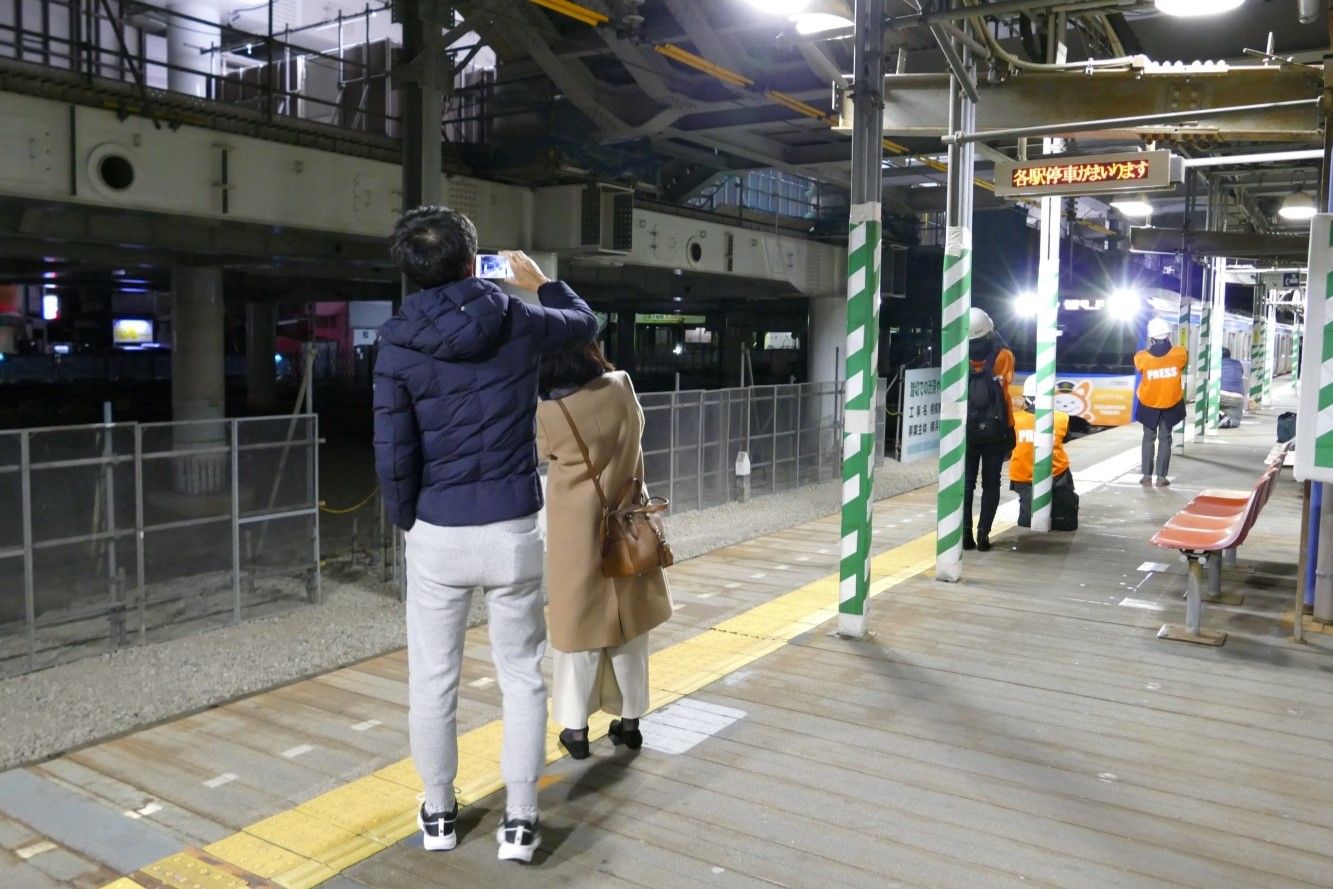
(610, 679)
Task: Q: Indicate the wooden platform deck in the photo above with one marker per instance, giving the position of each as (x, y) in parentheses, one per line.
(1024, 727)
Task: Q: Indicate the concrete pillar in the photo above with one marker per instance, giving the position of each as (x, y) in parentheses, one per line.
(198, 378)
(828, 336)
(190, 32)
(261, 344)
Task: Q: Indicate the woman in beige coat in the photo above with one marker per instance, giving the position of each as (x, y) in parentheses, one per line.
(598, 625)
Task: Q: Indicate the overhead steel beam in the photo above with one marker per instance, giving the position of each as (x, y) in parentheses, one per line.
(917, 104)
(1218, 243)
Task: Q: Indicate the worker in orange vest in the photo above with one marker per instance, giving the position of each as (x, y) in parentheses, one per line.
(1161, 369)
(1064, 500)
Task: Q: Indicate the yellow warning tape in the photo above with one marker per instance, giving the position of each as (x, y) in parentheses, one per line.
(310, 844)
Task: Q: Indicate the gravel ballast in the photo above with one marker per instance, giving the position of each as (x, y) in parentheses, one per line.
(72, 705)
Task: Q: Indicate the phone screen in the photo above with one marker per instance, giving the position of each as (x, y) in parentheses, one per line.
(492, 265)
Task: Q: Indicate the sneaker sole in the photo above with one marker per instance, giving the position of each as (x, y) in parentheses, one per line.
(515, 852)
(446, 843)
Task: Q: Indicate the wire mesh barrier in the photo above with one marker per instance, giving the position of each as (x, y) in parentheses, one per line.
(122, 533)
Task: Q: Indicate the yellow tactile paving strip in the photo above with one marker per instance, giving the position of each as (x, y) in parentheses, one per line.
(324, 836)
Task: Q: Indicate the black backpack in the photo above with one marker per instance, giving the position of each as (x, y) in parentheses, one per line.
(987, 412)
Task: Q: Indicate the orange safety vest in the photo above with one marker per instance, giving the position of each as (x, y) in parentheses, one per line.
(1020, 462)
(1162, 382)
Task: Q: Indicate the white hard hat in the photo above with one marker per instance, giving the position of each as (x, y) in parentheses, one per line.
(1030, 387)
(1158, 329)
(979, 324)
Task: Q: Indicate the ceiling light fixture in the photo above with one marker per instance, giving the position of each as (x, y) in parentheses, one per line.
(781, 7)
(1135, 206)
(1193, 8)
(822, 15)
(1298, 207)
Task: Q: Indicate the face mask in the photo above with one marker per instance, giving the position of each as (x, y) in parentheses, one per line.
(979, 349)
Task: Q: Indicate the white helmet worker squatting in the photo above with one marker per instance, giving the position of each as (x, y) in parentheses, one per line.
(979, 324)
(1158, 329)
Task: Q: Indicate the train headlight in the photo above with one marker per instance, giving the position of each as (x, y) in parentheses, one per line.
(1123, 304)
(1025, 305)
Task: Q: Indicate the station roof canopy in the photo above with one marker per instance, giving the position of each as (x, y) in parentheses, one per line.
(701, 86)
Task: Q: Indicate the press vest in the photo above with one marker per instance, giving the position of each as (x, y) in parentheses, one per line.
(1020, 462)
(1162, 379)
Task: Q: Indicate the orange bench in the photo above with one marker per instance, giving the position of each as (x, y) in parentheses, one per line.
(1207, 531)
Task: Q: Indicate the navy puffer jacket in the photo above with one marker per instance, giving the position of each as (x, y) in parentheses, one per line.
(456, 400)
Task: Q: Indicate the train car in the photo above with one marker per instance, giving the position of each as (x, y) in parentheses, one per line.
(1097, 339)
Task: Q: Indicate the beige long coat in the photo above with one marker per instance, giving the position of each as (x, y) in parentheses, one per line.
(588, 610)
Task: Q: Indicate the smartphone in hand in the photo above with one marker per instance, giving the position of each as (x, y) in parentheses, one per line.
(493, 266)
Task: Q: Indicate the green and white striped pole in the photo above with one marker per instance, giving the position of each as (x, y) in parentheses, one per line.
(1201, 357)
(1217, 337)
(863, 273)
(955, 305)
(1184, 316)
(858, 452)
(1258, 355)
(1048, 309)
(1270, 348)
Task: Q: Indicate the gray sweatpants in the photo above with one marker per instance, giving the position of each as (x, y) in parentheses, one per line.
(444, 565)
(1158, 439)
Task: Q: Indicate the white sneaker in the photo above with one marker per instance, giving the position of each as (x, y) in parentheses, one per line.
(437, 829)
(518, 839)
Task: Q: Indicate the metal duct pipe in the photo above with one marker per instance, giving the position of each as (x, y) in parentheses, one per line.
(1308, 11)
(1267, 157)
(1144, 120)
(1200, 244)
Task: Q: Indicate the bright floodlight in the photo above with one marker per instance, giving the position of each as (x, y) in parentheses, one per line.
(1123, 304)
(819, 22)
(1135, 207)
(1025, 305)
(1191, 8)
(780, 7)
(1298, 207)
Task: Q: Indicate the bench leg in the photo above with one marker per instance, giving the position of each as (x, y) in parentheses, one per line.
(1193, 630)
(1229, 557)
(1215, 594)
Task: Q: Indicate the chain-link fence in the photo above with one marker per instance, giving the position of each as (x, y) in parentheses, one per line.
(119, 533)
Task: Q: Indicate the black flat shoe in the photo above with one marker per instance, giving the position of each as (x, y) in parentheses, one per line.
(577, 748)
(983, 542)
(630, 737)
(969, 543)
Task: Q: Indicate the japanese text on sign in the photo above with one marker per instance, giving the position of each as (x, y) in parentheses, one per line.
(919, 426)
(1080, 173)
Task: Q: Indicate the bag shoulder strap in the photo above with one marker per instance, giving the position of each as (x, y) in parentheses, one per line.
(583, 449)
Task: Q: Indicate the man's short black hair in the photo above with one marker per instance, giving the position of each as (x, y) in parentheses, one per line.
(1226, 353)
(433, 246)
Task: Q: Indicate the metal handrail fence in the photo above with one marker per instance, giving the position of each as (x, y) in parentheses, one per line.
(108, 40)
(115, 533)
(791, 433)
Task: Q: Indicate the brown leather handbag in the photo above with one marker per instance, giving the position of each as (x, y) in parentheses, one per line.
(633, 536)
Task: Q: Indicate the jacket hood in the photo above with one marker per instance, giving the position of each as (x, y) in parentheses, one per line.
(456, 322)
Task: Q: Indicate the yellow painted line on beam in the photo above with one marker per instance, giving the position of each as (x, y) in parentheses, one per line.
(313, 842)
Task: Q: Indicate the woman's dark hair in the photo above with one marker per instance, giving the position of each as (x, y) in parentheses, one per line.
(573, 369)
(433, 246)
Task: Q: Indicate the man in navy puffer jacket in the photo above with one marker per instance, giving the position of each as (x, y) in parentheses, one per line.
(455, 451)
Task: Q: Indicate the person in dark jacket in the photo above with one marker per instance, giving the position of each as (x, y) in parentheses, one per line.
(455, 451)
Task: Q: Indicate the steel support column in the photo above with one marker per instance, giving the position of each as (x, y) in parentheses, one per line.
(956, 301)
(422, 83)
(863, 270)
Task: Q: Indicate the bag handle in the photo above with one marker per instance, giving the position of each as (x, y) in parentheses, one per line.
(583, 449)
